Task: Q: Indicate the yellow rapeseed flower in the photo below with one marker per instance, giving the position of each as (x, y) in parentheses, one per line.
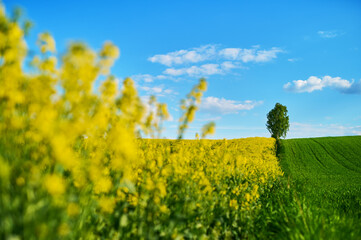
(102, 185)
(54, 184)
(163, 209)
(46, 42)
(106, 204)
(20, 181)
(4, 169)
(233, 204)
(63, 230)
(73, 209)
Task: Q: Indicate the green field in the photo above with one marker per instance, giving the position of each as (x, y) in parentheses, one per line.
(328, 164)
(329, 169)
(320, 195)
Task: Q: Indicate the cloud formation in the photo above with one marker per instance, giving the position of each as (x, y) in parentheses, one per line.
(203, 70)
(193, 55)
(328, 34)
(158, 91)
(224, 106)
(209, 52)
(250, 55)
(208, 60)
(147, 78)
(292, 59)
(314, 83)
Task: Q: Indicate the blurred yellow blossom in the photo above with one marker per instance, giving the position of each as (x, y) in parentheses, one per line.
(83, 144)
(54, 184)
(73, 209)
(46, 42)
(233, 204)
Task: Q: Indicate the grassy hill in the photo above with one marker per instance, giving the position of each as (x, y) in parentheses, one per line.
(324, 164)
(320, 194)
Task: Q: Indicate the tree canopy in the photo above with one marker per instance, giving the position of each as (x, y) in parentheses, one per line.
(278, 121)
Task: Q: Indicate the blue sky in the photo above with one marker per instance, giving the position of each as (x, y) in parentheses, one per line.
(303, 54)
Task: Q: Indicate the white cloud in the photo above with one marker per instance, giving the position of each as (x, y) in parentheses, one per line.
(215, 60)
(185, 56)
(328, 34)
(210, 52)
(292, 59)
(158, 91)
(147, 77)
(224, 106)
(230, 53)
(355, 88)
(175, 72)
(152, 89)
(227, 65)
(250, 55)
(300, 130)
(205, 69)
(314, 83)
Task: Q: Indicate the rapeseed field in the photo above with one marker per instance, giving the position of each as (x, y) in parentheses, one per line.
(73, 165)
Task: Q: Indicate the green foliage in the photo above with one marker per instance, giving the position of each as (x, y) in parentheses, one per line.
(290, 212)
(278, 121)
(320, 197)
(331, 163)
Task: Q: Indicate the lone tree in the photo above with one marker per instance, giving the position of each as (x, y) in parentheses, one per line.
(278, 121)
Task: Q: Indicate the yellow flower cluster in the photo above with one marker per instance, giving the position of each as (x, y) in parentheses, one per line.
(235, 170)
(200, 179)
(189, 106)
(61, 140)
(70, 158)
